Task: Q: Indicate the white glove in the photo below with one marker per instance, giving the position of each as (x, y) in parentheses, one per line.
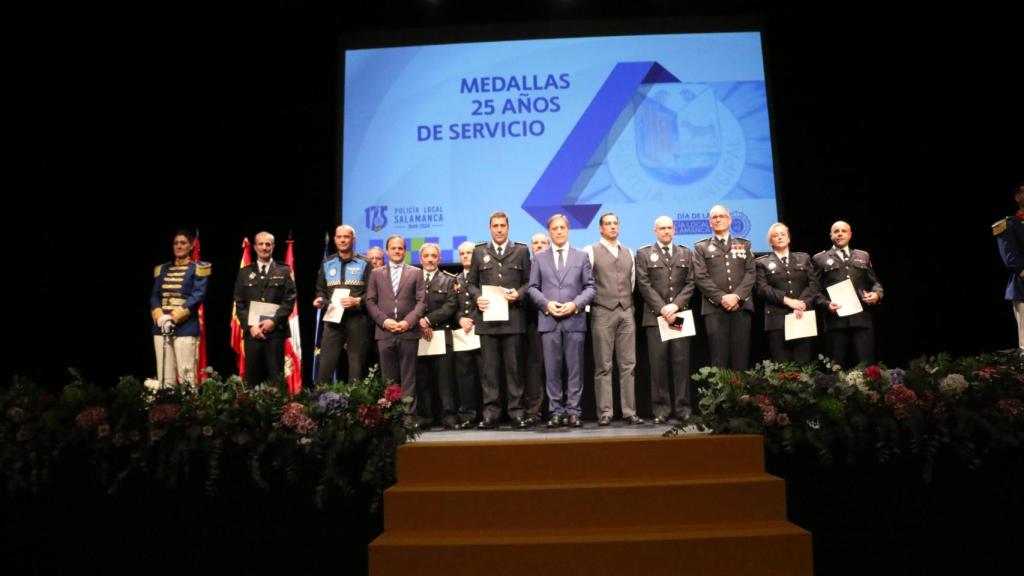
(165, 323)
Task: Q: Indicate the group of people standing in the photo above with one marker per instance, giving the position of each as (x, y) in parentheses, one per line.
(531, 307)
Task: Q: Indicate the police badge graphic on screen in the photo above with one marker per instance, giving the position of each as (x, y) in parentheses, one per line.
(436, 138)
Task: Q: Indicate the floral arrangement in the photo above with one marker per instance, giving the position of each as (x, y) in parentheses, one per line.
(970, 407)
(337, 439)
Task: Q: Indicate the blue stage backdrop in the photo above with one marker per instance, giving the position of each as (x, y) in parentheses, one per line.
(438, 137)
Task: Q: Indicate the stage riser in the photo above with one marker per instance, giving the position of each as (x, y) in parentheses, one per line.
(755, 498)
(690, 505)
(782, 551)
(546, 461)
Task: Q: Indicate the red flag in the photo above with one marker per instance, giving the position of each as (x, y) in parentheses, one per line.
(201, 360)
(293, 345)
(236, 327)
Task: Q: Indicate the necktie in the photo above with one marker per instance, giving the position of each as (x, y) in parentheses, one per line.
(429, 276)
(668, 255)
(499, 251)
(396, 275)
(263, 269)
(561, 260)
(846, 255)
(785, 261)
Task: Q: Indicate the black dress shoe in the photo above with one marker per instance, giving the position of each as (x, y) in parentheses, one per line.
(658, 420)
(449, 424)
(604, 420)
(464, 425)
(487, 425)
(555, 421)
(634, 420)
(685, 414)
(575, 421)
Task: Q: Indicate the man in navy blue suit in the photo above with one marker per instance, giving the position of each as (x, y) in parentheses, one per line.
(1009, 233)
(562, 284)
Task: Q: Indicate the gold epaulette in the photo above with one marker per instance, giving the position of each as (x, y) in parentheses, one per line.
(157, 269)
(1000, 226)
(203, 269)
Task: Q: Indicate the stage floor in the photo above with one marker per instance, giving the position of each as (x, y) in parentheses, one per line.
(589, 430)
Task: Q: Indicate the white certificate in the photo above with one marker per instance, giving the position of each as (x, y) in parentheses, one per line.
(335, 310)
(805, 327)
(260, 311)
(435, 347)
(462, 342)
(675, 331)
(844, 294)
(497, 308)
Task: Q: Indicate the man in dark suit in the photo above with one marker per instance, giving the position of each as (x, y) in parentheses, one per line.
(723, 269)
(836, 265)
(562, 284)
(664, 278)
(269, 282)
(395, 301)
(785, 280)
(435, 372)
(1009, 233)
(507, 265)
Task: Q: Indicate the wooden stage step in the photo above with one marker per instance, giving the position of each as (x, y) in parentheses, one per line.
(651, 505)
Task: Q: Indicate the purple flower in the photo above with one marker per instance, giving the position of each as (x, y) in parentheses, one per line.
(332, 402)
(896, 375)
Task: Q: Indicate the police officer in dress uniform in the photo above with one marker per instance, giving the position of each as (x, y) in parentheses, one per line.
(724, 270)
(270, 282)
(435, 372)
(836, 265)
(785, 280)
(468, 364)
(506, 264)
(344, 269)
(664, 278)
(179, 287)
(1009, 234)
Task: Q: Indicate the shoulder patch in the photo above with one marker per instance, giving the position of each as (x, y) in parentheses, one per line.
(1000, 227)
(203, 268)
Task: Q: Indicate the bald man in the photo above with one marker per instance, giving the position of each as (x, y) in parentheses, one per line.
(833, 266)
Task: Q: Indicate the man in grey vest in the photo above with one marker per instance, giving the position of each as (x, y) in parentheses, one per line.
(611, 321)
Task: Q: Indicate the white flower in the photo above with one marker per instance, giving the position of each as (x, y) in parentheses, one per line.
(855, 378)
(953, 385)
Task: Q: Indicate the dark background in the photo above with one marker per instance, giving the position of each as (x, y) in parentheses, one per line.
(130, 122)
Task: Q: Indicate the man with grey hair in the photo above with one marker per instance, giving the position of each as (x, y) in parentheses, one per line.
(725, 272)
(345, 269)
(611, 321)
(434, 373)
(376, 256)
(468, 365)
(265, 281)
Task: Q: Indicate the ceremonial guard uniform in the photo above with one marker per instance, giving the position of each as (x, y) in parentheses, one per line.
(436, 371)
(179, 287)
(789, 277)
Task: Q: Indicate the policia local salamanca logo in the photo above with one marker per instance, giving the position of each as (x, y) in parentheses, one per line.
(376, 217)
